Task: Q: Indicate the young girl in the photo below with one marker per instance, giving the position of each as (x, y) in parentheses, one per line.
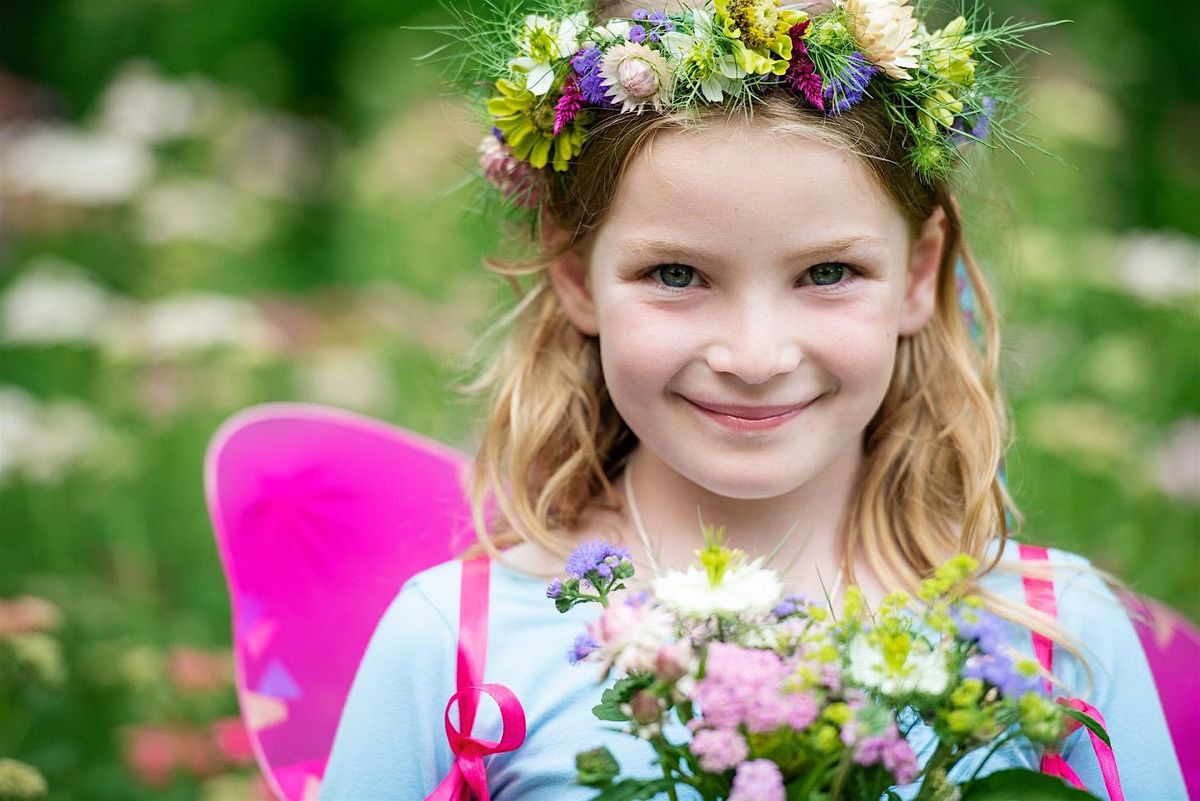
(750, 310)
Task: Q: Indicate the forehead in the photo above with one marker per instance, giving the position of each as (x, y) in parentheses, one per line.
(748, 187)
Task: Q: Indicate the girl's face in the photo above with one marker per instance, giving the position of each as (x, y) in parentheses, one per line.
(748, 290)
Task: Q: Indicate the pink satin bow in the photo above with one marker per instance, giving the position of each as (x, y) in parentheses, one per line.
(467, 779)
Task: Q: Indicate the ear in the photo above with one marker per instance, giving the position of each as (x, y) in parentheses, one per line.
(569, 279)
(924, 260)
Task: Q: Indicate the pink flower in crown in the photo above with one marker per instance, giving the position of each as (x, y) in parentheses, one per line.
(636, 76)
(516, 179)
(802, 77)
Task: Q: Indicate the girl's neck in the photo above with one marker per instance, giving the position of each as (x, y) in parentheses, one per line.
(668, 504)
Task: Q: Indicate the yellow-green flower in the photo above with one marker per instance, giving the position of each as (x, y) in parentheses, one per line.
(527, 122)
(761, 30)
(940, 109)
(948, 53)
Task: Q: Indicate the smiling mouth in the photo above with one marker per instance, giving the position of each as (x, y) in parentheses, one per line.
(748, 413)
(748, 420)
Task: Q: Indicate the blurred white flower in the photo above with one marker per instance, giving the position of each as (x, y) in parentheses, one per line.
(743, 590)
(271, 154)
(142, 106)
(45, 440)
(1159, 266)
(924, 669)
(183, 325)
(353, 378)
(53, 300)
(199, 210)
(1177, 461)
(73, 166)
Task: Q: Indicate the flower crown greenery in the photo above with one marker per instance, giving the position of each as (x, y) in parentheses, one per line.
(554, 74)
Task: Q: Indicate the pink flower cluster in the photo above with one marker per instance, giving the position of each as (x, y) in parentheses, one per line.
(744, 686)
(889, 748)
(154, 753)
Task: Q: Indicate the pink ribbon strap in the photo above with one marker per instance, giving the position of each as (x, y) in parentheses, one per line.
(467, 778)
(1039, 594)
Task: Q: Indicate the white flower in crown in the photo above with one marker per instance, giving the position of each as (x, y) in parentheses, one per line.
(702, 62)
(542, 41)
(636, 76)
(885, 32)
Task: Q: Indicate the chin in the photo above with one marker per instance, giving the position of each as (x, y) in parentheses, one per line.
(755, 484)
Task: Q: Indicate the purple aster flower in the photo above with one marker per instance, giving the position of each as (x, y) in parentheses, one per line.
(980, 124)
(554, 589)
(981, 626)
(582, 649)
(598, 556)
(790, 605)
(637, 34)
(1000, 671)
(639, 13)
(568, 104)
(586, 64)
(801, 77)
(661, 21)
(848, 88)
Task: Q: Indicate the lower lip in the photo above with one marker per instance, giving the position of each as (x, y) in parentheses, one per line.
(746, 425)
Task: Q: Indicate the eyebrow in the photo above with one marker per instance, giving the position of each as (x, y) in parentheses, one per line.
(666, 246)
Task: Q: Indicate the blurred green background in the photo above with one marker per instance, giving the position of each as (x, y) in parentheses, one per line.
(206, 204)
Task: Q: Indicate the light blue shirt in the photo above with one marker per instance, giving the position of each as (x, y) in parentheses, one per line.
(391, 743)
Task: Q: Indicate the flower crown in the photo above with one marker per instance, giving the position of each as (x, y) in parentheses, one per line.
(555, 74)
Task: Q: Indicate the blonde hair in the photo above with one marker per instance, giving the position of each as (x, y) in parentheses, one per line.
(554, 443)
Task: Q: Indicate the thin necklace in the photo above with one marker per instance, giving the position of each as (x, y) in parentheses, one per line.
(640, 527)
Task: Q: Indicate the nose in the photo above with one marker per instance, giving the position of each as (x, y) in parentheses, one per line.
(755, 341)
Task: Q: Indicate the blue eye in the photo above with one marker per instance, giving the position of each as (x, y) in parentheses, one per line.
(676, 276)
(827, 273)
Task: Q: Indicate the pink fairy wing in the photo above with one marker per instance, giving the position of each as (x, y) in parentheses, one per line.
(320, 516)
(1172, 646)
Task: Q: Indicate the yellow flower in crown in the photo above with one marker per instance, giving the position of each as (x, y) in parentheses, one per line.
(761, 30)
(948, 52)
(526, 121)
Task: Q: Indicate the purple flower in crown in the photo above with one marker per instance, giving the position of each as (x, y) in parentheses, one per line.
(636, 34)
(801, 77)
(848, 88)
(586, 64)
(974, 128)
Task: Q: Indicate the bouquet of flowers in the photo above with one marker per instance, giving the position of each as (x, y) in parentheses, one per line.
(788, 699)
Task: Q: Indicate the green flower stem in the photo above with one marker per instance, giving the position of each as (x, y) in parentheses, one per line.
(662, 745)
(943, 752)
(991, 752)
(839, 778)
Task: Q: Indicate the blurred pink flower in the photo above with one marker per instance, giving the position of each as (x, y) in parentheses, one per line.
(27, 614)
(150, 754)
(193, 670)
(232, 740)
